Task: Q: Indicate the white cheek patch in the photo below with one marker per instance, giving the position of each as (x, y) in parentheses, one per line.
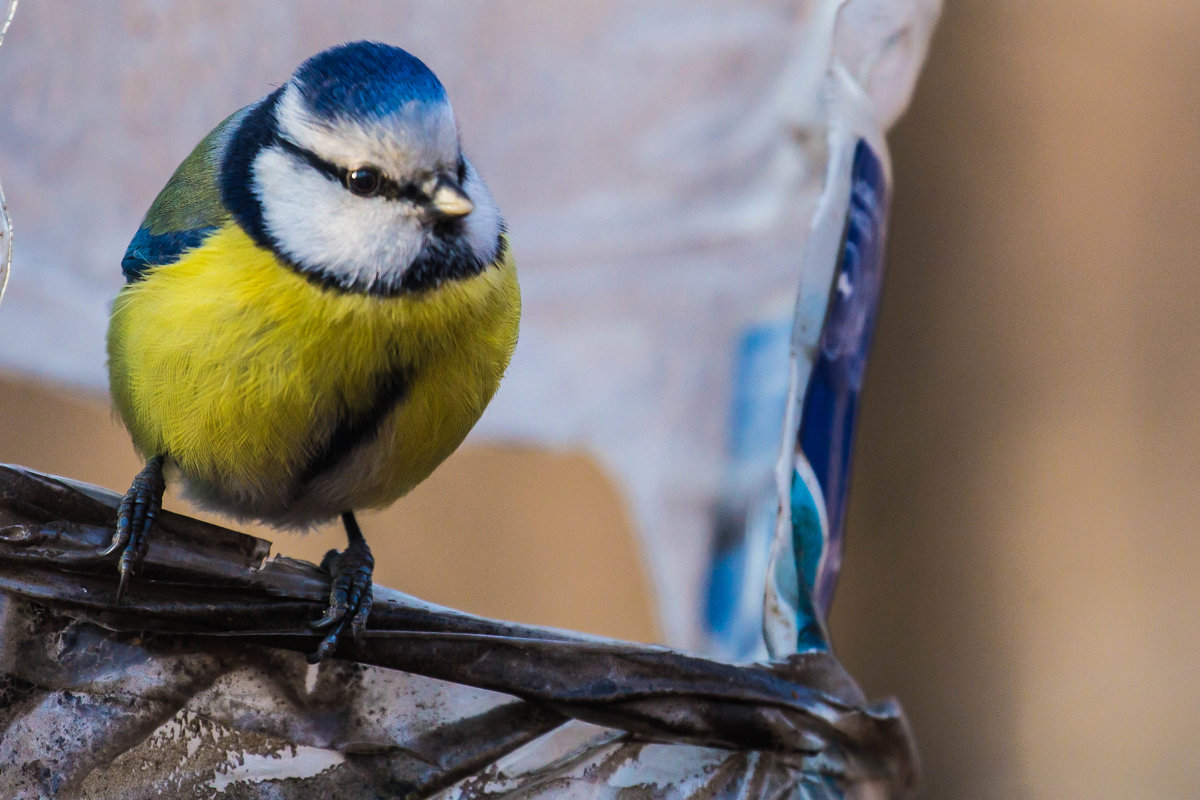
(317, 223)
(363, 241)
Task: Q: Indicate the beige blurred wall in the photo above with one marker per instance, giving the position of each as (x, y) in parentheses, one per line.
(510, 532)
(1023, 567)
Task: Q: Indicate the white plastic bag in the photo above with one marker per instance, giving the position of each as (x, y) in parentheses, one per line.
(671, 172)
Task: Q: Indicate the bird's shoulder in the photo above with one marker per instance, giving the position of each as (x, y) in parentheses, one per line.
(187, 210)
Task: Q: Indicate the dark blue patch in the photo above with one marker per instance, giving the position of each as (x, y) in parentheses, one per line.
(831, 403)
(726, 572)
(744, 516)
(366, 79)
(256, 130)
(358, 425)
(147, 251)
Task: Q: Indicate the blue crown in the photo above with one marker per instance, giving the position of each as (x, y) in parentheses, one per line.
(366, 79)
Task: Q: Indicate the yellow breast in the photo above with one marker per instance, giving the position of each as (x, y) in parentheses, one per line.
(242, 371)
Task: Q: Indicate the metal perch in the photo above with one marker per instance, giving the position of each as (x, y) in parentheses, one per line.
(196, 683)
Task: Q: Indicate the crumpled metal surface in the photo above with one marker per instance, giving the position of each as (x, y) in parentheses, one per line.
(197, 686)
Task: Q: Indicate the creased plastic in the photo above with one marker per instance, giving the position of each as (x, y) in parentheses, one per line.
(5, 222)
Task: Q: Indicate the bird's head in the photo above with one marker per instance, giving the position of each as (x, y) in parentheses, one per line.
(352, 173)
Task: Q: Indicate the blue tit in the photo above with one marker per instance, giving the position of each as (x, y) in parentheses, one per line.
(318, 306)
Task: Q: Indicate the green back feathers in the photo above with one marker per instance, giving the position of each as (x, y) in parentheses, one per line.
(191, 199)
(186, 211)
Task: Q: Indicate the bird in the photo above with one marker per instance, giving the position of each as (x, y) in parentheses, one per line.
(317, 308)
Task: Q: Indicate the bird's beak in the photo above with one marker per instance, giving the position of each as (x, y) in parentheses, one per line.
(449, 200)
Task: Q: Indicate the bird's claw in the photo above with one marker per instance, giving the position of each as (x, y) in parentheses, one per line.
(123, 586)
(135, 519)
(350, 596)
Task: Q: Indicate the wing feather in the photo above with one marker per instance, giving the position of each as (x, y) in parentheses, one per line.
(186, 211)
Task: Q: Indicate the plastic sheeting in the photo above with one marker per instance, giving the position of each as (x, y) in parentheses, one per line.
(671, 171)
(5, 223)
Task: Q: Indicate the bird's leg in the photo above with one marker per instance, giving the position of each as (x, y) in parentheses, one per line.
(135, 519)
(349, 591)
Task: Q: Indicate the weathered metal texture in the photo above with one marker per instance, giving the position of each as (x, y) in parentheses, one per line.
(196, 687)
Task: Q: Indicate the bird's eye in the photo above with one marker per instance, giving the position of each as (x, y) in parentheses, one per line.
(363, 181)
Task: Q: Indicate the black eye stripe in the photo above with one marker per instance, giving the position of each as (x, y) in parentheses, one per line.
(326, 168)
(388, 188)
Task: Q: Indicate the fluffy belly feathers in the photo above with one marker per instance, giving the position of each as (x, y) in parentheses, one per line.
(278, 399)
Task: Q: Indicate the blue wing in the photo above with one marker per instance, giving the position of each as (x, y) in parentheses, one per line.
(186, 212)
(147, 250)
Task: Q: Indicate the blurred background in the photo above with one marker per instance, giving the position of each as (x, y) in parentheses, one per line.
(1023, 536)
(1021, 551)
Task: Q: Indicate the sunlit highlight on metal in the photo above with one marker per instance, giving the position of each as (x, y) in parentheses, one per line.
(5, 222)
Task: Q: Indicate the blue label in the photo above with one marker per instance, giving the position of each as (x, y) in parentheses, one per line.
(831, 402)
(745, 516)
